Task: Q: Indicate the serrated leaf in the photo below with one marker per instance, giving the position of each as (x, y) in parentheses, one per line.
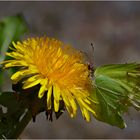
(117, 87)
(14, 116)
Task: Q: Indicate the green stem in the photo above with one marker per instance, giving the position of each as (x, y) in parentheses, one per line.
(15, 133)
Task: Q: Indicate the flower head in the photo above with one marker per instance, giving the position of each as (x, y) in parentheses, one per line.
(59, 69)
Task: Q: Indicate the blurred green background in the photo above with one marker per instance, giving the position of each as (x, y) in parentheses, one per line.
(113, 28)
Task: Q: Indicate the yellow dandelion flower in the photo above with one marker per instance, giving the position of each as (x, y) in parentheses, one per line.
(59, 69)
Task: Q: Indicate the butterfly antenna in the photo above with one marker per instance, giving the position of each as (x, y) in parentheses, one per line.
(92, 47)
(92, 53)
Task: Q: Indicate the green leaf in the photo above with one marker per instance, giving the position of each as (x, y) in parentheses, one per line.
(117, 87)
(11, 29)
(14, 115)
